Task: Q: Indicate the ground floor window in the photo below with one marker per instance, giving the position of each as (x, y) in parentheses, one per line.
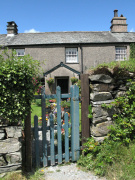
(120, 53)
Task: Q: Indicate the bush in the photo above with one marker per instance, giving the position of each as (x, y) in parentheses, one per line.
(113, 156)
(16, 85)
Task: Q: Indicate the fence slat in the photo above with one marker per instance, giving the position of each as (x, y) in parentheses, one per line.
(66, 138)
(37, 160)
(58, 94)
(44, 127)
(52, 152)
(75, 144)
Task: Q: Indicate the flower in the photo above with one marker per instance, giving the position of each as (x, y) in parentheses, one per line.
(62, 131)
(74, 80)
(50, 81)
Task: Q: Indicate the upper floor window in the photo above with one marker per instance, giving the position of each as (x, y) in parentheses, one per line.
(71, 55)
(20, 52)
(121, 53)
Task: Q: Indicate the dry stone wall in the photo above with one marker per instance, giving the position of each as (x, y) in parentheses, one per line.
(103, 90)
(10, 148)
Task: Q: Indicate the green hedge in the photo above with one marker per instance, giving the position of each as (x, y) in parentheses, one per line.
(16, 86)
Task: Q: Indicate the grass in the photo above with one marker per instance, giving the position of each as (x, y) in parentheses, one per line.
(115, 161)
(123, 167)
(36, 110)
(18, 175)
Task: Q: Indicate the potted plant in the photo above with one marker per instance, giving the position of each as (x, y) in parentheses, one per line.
(50, 81)
(74, 80)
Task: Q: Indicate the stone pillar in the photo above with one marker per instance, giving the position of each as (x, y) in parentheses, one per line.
(101, 87)
(10, 148)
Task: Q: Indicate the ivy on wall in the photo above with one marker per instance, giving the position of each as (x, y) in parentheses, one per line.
(16, 85)
(132, 50)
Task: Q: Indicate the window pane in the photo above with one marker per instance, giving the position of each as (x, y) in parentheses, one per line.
(120, 53)
(71, 55)
(20, 52)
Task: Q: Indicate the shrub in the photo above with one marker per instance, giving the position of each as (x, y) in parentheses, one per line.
(113, 150)
(16, 85)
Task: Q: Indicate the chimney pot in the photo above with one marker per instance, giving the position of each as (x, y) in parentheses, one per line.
(115, 13)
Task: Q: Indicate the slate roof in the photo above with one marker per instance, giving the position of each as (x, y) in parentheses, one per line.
(66, 38)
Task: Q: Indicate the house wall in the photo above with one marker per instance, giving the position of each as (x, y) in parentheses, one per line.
(94, 55)
(50, 56)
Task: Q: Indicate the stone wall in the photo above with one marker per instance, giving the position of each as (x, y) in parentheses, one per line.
(103, 90)
(10, 148)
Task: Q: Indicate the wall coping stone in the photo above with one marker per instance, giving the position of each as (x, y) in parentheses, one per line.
(101, 102)
(101, 78)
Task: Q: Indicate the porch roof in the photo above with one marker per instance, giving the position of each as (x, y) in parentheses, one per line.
(61, 65)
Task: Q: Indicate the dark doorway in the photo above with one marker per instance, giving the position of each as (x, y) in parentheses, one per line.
(63, 83)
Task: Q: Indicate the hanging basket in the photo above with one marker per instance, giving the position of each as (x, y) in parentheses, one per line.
(50, 81)
(74, 80)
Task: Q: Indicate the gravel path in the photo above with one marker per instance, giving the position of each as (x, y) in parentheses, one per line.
(65, 172)
(68, 172)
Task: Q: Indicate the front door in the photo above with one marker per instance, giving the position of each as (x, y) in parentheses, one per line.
(63, 83)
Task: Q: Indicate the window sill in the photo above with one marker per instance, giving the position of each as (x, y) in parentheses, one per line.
(71, 63)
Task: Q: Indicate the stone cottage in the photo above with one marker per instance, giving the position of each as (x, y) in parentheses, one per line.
(67, 54)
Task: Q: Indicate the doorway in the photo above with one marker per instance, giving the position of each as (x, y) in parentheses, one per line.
(63, 82)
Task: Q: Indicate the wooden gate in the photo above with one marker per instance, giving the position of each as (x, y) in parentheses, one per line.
(56, 154)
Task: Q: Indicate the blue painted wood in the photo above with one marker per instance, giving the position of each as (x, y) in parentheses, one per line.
(50, 96)
(74, 112)
(37, 160)
(66, 138)
(75, 144)
(65, 95)
(44, 142)
(53, 96)
(58, 94)
(52, 152)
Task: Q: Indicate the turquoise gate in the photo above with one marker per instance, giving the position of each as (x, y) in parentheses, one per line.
(70, 153)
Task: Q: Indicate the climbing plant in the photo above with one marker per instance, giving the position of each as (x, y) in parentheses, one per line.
(16, 85)
(132, 50)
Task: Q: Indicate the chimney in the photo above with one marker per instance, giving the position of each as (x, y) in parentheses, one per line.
(118, 23)
(12, 28)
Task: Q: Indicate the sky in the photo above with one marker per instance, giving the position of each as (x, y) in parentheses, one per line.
(64, 15)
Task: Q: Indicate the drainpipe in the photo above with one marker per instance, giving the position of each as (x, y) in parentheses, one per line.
(81, 59)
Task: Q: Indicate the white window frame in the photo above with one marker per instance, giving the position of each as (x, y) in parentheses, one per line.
(71, 55)
(120, 53)
(20, 52)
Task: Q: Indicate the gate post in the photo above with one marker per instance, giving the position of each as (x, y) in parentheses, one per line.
(85, 96)
(75, 142)
(44, 145)
(28, 144)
